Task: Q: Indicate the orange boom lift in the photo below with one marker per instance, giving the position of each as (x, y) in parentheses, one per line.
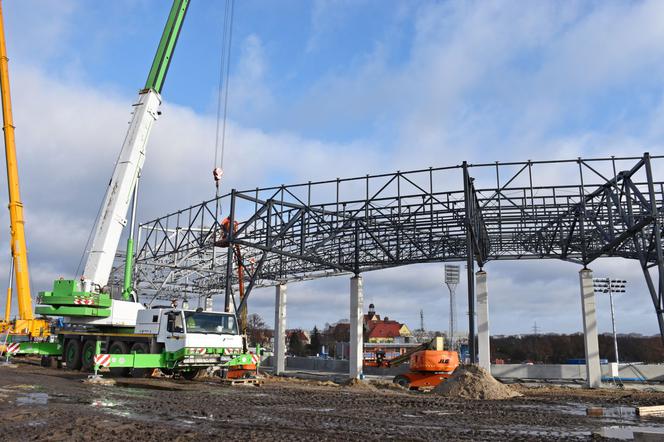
(429, 365)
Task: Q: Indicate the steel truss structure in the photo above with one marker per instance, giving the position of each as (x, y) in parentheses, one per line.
(576, 210)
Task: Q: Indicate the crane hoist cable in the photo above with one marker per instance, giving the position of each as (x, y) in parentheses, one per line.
(222, 97)
(222, 113)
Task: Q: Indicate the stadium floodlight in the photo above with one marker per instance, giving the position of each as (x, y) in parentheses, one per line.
(611, 286)
(452, 272)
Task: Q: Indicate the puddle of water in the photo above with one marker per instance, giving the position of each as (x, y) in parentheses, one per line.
(23, 387)
(627, 413)
(437, 412)
(122, 413)
(627, 433)
(209, 417)
(322, 410)
(104, 403)
(624, 412)
(32, 399)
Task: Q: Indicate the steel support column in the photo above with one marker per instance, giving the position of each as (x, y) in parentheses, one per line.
(229, 257)
(470, 265)
(658, 294)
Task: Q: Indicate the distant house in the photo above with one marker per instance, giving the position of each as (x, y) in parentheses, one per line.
(303, 335)
(341, 331)
(389, 336)
(385, 330)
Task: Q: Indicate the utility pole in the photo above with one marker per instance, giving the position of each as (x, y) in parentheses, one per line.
(452, 280)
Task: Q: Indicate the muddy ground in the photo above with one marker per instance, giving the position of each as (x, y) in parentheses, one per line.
(49, 404)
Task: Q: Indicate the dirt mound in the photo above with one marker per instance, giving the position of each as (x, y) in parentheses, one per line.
(387, 385)
(473, 382)
(358, 385)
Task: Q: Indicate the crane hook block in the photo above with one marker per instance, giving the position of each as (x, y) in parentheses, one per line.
(217, 173)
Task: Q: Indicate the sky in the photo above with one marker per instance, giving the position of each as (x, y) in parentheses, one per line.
(326, 89)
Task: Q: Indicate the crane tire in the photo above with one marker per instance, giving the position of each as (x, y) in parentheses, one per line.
(402, 381)
(118, 347)
(88, 355)
(191, 374)
(72, 354)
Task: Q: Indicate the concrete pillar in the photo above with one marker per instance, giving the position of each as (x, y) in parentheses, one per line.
(482, 292)
(590, 341)
(356, 327)
(280, 329)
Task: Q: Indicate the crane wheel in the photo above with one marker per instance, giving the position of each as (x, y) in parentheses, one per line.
(73, 354)
(402, 381)
(140, 348)
(88, 355)
(191, 374)
(118, 347)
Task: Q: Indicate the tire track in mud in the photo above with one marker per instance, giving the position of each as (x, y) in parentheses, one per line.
(162, 409)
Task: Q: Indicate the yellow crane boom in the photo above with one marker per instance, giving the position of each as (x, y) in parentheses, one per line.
(26, 323)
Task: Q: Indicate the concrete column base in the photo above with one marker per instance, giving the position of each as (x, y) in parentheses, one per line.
(280, 329)
(483, 336)
(356, 327)
(590, 341)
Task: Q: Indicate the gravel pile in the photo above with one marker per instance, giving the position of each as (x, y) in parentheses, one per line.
(473, 382)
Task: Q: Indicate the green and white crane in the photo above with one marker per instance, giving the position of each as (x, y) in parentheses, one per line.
(127, 335)
(88, 300)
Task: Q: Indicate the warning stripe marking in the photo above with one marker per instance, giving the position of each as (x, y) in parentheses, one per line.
(103, 360)
(13, 348)
(83, 301)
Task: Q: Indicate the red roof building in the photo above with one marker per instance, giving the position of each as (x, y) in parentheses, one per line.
(386, 330)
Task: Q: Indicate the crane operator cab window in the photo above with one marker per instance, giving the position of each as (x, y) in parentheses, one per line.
(175, 322)
(207, 322)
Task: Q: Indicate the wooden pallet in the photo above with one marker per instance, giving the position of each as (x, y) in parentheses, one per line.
(241, 381)
(651, 410)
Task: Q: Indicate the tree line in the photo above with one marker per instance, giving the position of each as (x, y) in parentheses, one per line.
(559, 349)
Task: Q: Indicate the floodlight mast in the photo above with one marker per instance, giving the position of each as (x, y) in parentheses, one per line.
(452, 280)
(611, 286)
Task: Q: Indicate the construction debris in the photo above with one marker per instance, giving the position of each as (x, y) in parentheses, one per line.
(651, 410)
(98, 380)
(473, 382)
(595, 411)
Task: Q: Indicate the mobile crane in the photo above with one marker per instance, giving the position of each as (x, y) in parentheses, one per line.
(26, 326)
(121, 333)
